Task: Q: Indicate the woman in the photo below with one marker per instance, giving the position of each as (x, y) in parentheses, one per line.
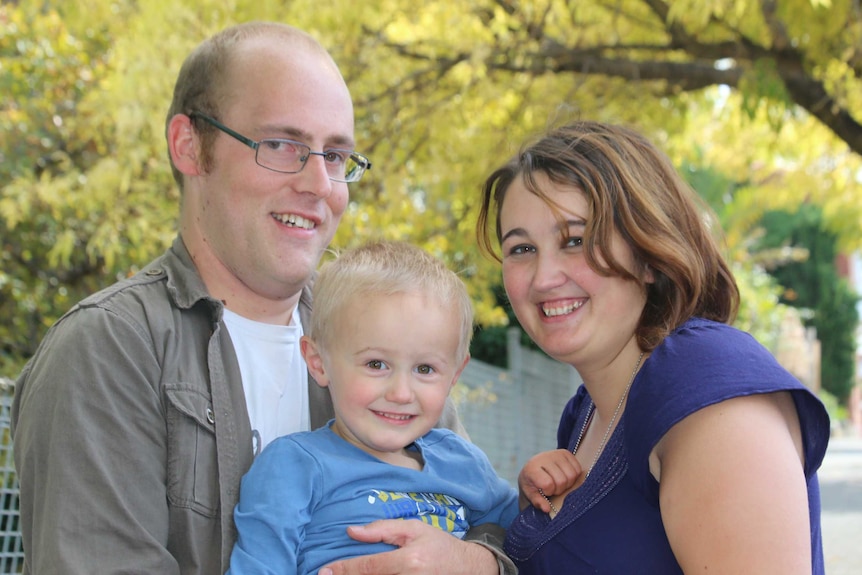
(695, 451)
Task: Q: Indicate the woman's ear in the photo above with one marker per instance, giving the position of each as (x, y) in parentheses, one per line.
(649, 275)
(184, 145)
(314, 360)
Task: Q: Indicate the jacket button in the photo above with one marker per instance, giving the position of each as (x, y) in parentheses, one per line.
(155, 272)
(210, 415)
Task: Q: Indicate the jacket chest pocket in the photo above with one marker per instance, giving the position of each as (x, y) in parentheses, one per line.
(192, 457)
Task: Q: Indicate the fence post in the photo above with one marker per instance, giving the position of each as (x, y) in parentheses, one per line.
(516, 371)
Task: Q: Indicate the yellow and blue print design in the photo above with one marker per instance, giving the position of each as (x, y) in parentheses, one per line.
(437, 509)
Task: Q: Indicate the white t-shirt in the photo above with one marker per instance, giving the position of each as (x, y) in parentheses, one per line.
(274, 376)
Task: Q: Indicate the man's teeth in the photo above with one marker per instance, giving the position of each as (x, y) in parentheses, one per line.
(294, 220)
(550, 311)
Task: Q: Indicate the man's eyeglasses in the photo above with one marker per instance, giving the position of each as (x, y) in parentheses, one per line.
(289, 156)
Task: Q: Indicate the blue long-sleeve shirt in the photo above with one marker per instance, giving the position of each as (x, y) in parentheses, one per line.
(305, 489)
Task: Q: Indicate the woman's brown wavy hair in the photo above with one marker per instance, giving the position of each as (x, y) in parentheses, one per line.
(632, 188)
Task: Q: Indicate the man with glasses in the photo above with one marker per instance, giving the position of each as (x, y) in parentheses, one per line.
(146, 403)
(290, 156)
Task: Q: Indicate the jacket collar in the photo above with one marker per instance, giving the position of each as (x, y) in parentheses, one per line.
(186, 287)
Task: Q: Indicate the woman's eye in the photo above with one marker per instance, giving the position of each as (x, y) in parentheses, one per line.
(574, 242)
(521, 249)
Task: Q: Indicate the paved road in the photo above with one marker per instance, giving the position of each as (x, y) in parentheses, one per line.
(841, 497)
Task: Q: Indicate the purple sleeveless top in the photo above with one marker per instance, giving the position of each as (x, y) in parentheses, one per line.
(612, 523)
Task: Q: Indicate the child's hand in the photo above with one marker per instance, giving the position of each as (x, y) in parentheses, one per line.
(549, 472)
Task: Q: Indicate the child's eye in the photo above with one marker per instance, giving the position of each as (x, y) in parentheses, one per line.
(376, 364)
(425, 369)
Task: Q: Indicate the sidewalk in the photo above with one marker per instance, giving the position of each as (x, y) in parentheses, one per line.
(841, 498)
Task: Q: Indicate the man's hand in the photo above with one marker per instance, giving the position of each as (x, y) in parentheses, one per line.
(423, 550)
(549, 472)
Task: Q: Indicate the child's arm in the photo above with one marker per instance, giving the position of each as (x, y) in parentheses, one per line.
(276, 495)
(549, 472)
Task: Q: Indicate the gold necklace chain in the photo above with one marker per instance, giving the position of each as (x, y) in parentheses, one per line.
(607, 431)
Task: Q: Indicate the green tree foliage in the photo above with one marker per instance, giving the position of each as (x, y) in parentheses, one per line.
(812, 283)
(45, 147)
(760, 312)
(778, 53)
(765, 91)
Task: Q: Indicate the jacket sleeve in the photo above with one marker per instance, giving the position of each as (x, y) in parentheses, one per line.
(90, 450)
(491, 536)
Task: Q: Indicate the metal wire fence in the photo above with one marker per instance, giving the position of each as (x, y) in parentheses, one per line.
(11, 550)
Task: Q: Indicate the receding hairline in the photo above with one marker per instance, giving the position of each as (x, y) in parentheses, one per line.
(272, 36)
(293, 37)
(244, 40)
(251, 31)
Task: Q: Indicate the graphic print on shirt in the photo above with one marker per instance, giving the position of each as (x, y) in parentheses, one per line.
(437, 509)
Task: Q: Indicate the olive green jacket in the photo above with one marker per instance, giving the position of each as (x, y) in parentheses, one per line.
(131, 431)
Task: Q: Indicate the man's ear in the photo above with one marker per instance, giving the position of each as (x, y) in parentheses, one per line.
(184, 145)
(314, 360)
